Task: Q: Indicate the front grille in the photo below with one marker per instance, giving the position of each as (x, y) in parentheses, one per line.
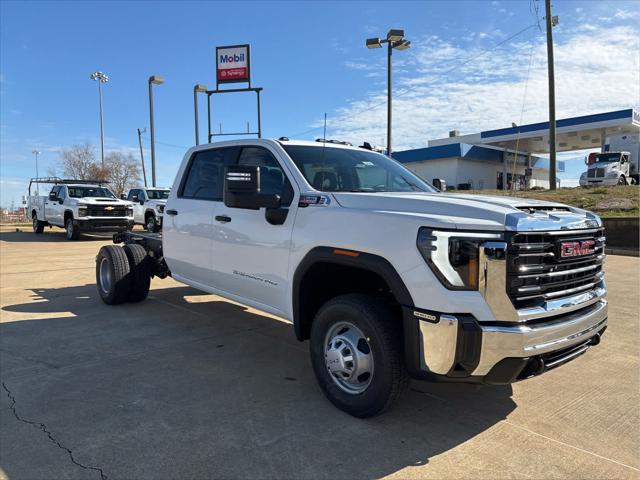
(537, 272)
(106, 211)
(595, 173)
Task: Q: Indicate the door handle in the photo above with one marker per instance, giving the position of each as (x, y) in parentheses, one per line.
(171, 212)
(223, 218)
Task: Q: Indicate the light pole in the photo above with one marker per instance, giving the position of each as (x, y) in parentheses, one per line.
(202, 89)
(36, 153)
(157, 79)
(395, 39)
(551, 22)
(100, 78)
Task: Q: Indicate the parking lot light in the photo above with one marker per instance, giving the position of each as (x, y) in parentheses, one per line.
(198, 88)
(373, 43)
(157, 80)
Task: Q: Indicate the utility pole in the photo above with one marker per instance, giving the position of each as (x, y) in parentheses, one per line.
(389, 108)
(144, 173)
(551, 22)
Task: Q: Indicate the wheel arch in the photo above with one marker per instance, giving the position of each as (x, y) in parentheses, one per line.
(67, 214)
(310, 290)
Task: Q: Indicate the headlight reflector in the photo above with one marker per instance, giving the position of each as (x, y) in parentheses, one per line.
(453, 255)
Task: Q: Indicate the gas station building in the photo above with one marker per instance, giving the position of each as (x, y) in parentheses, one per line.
(484, 160)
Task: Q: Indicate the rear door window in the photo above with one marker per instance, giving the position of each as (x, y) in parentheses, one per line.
(205, 175)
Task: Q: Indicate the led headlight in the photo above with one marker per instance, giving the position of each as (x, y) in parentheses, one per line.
(82, 210)
(453, 255)
(130, 212)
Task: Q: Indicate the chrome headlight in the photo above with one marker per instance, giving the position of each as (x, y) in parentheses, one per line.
(82, 210)
(453, 255)
(129, 211)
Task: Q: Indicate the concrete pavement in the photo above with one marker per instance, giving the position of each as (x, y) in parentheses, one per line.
(187, 385)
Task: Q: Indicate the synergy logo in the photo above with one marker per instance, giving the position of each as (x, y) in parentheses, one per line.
(232, 64)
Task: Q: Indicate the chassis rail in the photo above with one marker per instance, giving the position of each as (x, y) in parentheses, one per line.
(152, 243)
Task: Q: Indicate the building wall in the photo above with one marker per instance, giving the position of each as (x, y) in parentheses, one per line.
(482, 175)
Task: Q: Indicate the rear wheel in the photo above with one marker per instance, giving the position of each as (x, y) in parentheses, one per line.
(38, 226)
(356, 353)
(73, 232)
(112, 275)
(140, 272)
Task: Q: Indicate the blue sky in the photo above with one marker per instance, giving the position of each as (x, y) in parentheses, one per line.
(310, 58)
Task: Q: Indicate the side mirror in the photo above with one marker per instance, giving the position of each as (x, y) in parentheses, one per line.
(242, 189)
(52, 196)
(123, 197)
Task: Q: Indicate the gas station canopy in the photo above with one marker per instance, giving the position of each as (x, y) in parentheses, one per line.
(577, 133)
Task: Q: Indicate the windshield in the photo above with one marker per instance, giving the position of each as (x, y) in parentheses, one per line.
(330, 169)
(607, 157)
(80, 192)
(157, 194)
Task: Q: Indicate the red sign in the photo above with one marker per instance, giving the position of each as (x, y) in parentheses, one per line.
(576, 249)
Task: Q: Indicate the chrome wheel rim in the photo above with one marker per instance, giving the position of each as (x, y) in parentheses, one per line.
(348, 358)
(151, 224)
(106, 278)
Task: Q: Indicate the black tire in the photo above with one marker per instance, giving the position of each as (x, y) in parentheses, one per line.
(139, 272)
(116, 289)
(38, 226)
(383, 332)
(622, 180)
(150, 223)
(72, 230)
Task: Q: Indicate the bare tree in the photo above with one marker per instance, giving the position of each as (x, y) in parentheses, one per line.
(79, 162)
(122, 172)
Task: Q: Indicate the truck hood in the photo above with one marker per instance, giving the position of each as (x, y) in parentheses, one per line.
(101, 201)
(473, 211)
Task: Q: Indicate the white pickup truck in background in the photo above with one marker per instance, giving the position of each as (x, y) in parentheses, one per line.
(78, 206)
(148, 206)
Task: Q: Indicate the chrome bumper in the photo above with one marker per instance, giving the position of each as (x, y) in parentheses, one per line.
(527, 341)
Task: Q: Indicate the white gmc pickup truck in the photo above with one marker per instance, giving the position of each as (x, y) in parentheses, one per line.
(78, 206)
(387, 277)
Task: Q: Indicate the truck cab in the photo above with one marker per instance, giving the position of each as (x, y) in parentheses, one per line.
(609, 168)
(148, 206)
(79, 207)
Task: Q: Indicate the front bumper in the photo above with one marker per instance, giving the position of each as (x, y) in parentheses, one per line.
(100, 224)
(460, 348)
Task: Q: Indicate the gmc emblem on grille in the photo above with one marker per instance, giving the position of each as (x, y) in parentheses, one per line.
(577, 249)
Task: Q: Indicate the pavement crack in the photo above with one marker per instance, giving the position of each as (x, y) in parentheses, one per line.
(53, 439)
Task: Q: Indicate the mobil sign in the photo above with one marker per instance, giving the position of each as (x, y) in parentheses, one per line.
(232, 64)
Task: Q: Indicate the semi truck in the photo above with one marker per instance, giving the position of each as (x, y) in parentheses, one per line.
(616, 164)
(386, 277)
(78, 206)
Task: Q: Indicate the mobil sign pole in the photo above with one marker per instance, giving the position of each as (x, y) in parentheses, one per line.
(233, 65)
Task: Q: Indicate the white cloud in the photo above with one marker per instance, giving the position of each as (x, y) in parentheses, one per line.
(625, 14)
(596, 71)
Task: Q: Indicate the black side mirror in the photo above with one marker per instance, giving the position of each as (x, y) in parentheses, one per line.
(123, 197)
(141, 201)
(242, 189)
(52, 196)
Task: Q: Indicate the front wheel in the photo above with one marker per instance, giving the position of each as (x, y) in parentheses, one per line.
(38, 226)
(356, 353)
(622, 180)
(151, 224)
(73, 232)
